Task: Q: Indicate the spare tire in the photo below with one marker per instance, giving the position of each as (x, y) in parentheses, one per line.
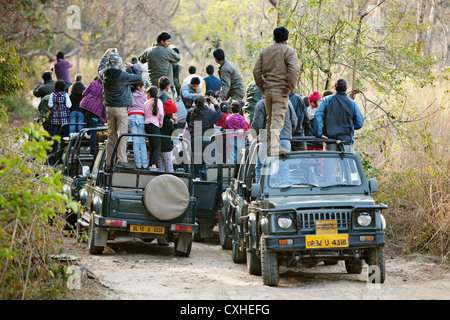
(166, 197)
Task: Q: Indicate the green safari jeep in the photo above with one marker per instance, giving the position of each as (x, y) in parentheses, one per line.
(141, 203)
(75, 163)
(308, 206)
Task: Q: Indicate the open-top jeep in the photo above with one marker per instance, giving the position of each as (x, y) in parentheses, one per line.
(208, 192)
(308, 206)
(75, 163)
(141, 203)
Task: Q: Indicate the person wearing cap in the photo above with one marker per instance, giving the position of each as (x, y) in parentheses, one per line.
(313, 100)
(117, 97)
(337, 117)
(170, 120)
(276, 74)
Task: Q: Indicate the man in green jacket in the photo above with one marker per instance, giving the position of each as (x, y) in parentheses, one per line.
(160, 58)
(232, 85)
(253, 95)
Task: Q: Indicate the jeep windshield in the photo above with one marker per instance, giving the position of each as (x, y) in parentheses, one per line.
(312, 172)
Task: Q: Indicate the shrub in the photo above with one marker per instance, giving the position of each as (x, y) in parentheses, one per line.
(30, 207)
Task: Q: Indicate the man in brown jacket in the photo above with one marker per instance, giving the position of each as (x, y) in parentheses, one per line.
(276, 73)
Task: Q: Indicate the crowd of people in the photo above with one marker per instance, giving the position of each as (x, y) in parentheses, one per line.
(121, 97)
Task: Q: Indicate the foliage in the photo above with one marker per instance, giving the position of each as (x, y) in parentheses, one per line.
(30, 206)
(11, 65)
(30, 202)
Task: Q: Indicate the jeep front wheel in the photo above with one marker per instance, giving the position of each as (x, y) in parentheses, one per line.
(269, 266)
(376, 262)
(93, 249)
(225, 240)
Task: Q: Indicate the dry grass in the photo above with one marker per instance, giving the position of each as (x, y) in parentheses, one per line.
(414, 176)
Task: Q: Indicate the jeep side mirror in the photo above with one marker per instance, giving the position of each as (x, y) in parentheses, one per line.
(256, 190)
(373, 185)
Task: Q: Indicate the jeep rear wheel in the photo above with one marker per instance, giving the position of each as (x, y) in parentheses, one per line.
(269, 266)
(376, 262)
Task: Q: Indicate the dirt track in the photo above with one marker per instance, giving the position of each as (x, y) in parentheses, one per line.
(136, 270)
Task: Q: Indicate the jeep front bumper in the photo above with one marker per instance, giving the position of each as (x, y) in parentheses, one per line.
(348, 241)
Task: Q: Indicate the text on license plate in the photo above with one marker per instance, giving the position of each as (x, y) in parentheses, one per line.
(146, 229)
(326, 241)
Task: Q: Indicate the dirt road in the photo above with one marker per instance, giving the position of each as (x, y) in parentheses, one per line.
(137, 270)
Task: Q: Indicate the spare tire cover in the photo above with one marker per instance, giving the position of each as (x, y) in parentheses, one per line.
(166, 197)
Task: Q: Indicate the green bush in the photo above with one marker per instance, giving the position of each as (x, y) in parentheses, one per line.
(30, 208)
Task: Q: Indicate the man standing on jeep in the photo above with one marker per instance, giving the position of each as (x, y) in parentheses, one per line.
(117, 97)
(276, 73)
(337, 117)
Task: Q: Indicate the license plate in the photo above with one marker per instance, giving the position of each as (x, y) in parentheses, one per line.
(146, 229)
(326, 241)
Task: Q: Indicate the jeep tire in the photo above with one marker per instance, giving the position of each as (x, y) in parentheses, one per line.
(93, 249)
(376, 262)
(225, 240)
(269, 265)
(354, 266)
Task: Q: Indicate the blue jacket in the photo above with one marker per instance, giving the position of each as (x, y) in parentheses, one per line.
(337, 117)
(301, 113)
(212, 83)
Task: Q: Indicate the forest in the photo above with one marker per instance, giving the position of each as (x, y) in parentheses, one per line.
(395, 55)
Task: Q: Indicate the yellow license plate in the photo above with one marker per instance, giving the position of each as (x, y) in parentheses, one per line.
(146, 229)
(319, 241)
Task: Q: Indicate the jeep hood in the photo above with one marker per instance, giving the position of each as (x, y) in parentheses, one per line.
(323, 201)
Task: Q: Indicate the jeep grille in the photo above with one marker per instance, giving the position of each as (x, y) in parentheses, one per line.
(307, 218)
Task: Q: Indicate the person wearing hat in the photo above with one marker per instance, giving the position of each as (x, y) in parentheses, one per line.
(337, 117)
(117, 97)
(276, 73)
(313, 100)
(170, 120)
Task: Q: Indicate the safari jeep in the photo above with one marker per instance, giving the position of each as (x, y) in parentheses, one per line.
(75, 163)
(308, 206)
(208, 192)
(141, 203)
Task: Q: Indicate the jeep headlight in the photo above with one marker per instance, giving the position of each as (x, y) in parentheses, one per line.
(364, 219)
(284, 222)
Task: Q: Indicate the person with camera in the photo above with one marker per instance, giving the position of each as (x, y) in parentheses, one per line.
(190, 91)
(232, 86)
(117, 97)
(200, 119)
